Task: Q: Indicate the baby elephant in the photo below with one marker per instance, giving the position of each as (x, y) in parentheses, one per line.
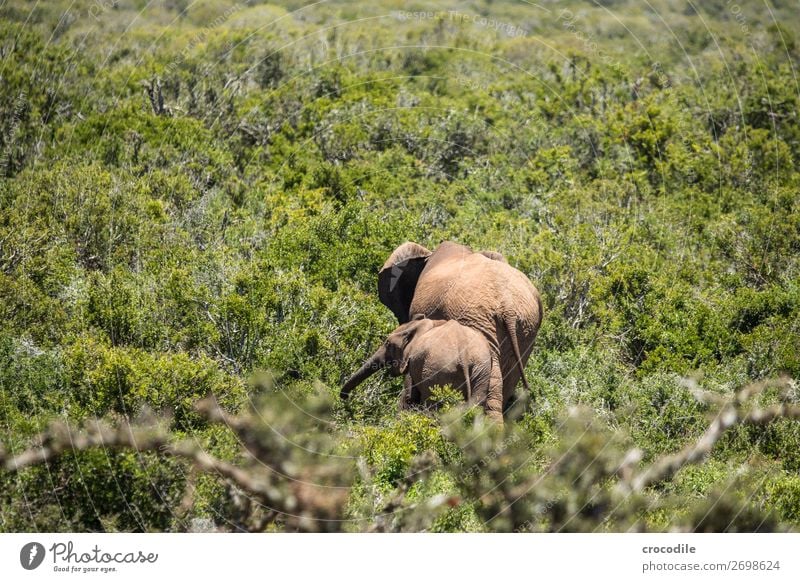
(436, 352)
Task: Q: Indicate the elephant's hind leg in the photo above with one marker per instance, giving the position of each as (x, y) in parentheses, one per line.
(494, 399)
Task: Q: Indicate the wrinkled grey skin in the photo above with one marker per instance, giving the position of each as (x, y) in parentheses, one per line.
(435, 353)
(480, 290)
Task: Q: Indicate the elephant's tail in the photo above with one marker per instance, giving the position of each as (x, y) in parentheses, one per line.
(511, 328)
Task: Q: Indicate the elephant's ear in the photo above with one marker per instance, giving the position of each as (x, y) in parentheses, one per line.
(398, 278)
(494, 255)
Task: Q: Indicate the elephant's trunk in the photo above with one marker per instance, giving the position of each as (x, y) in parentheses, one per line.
(372, 365)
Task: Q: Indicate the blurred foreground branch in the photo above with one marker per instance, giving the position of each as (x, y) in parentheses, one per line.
(306, 496)
(288, 468)
(730, 415)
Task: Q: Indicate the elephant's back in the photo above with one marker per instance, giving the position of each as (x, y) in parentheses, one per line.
(475, 290)
(457, 291)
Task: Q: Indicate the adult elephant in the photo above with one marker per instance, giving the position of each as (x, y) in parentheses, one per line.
(477, 289)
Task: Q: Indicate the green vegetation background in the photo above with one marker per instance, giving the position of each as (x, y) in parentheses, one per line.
(196, 193)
